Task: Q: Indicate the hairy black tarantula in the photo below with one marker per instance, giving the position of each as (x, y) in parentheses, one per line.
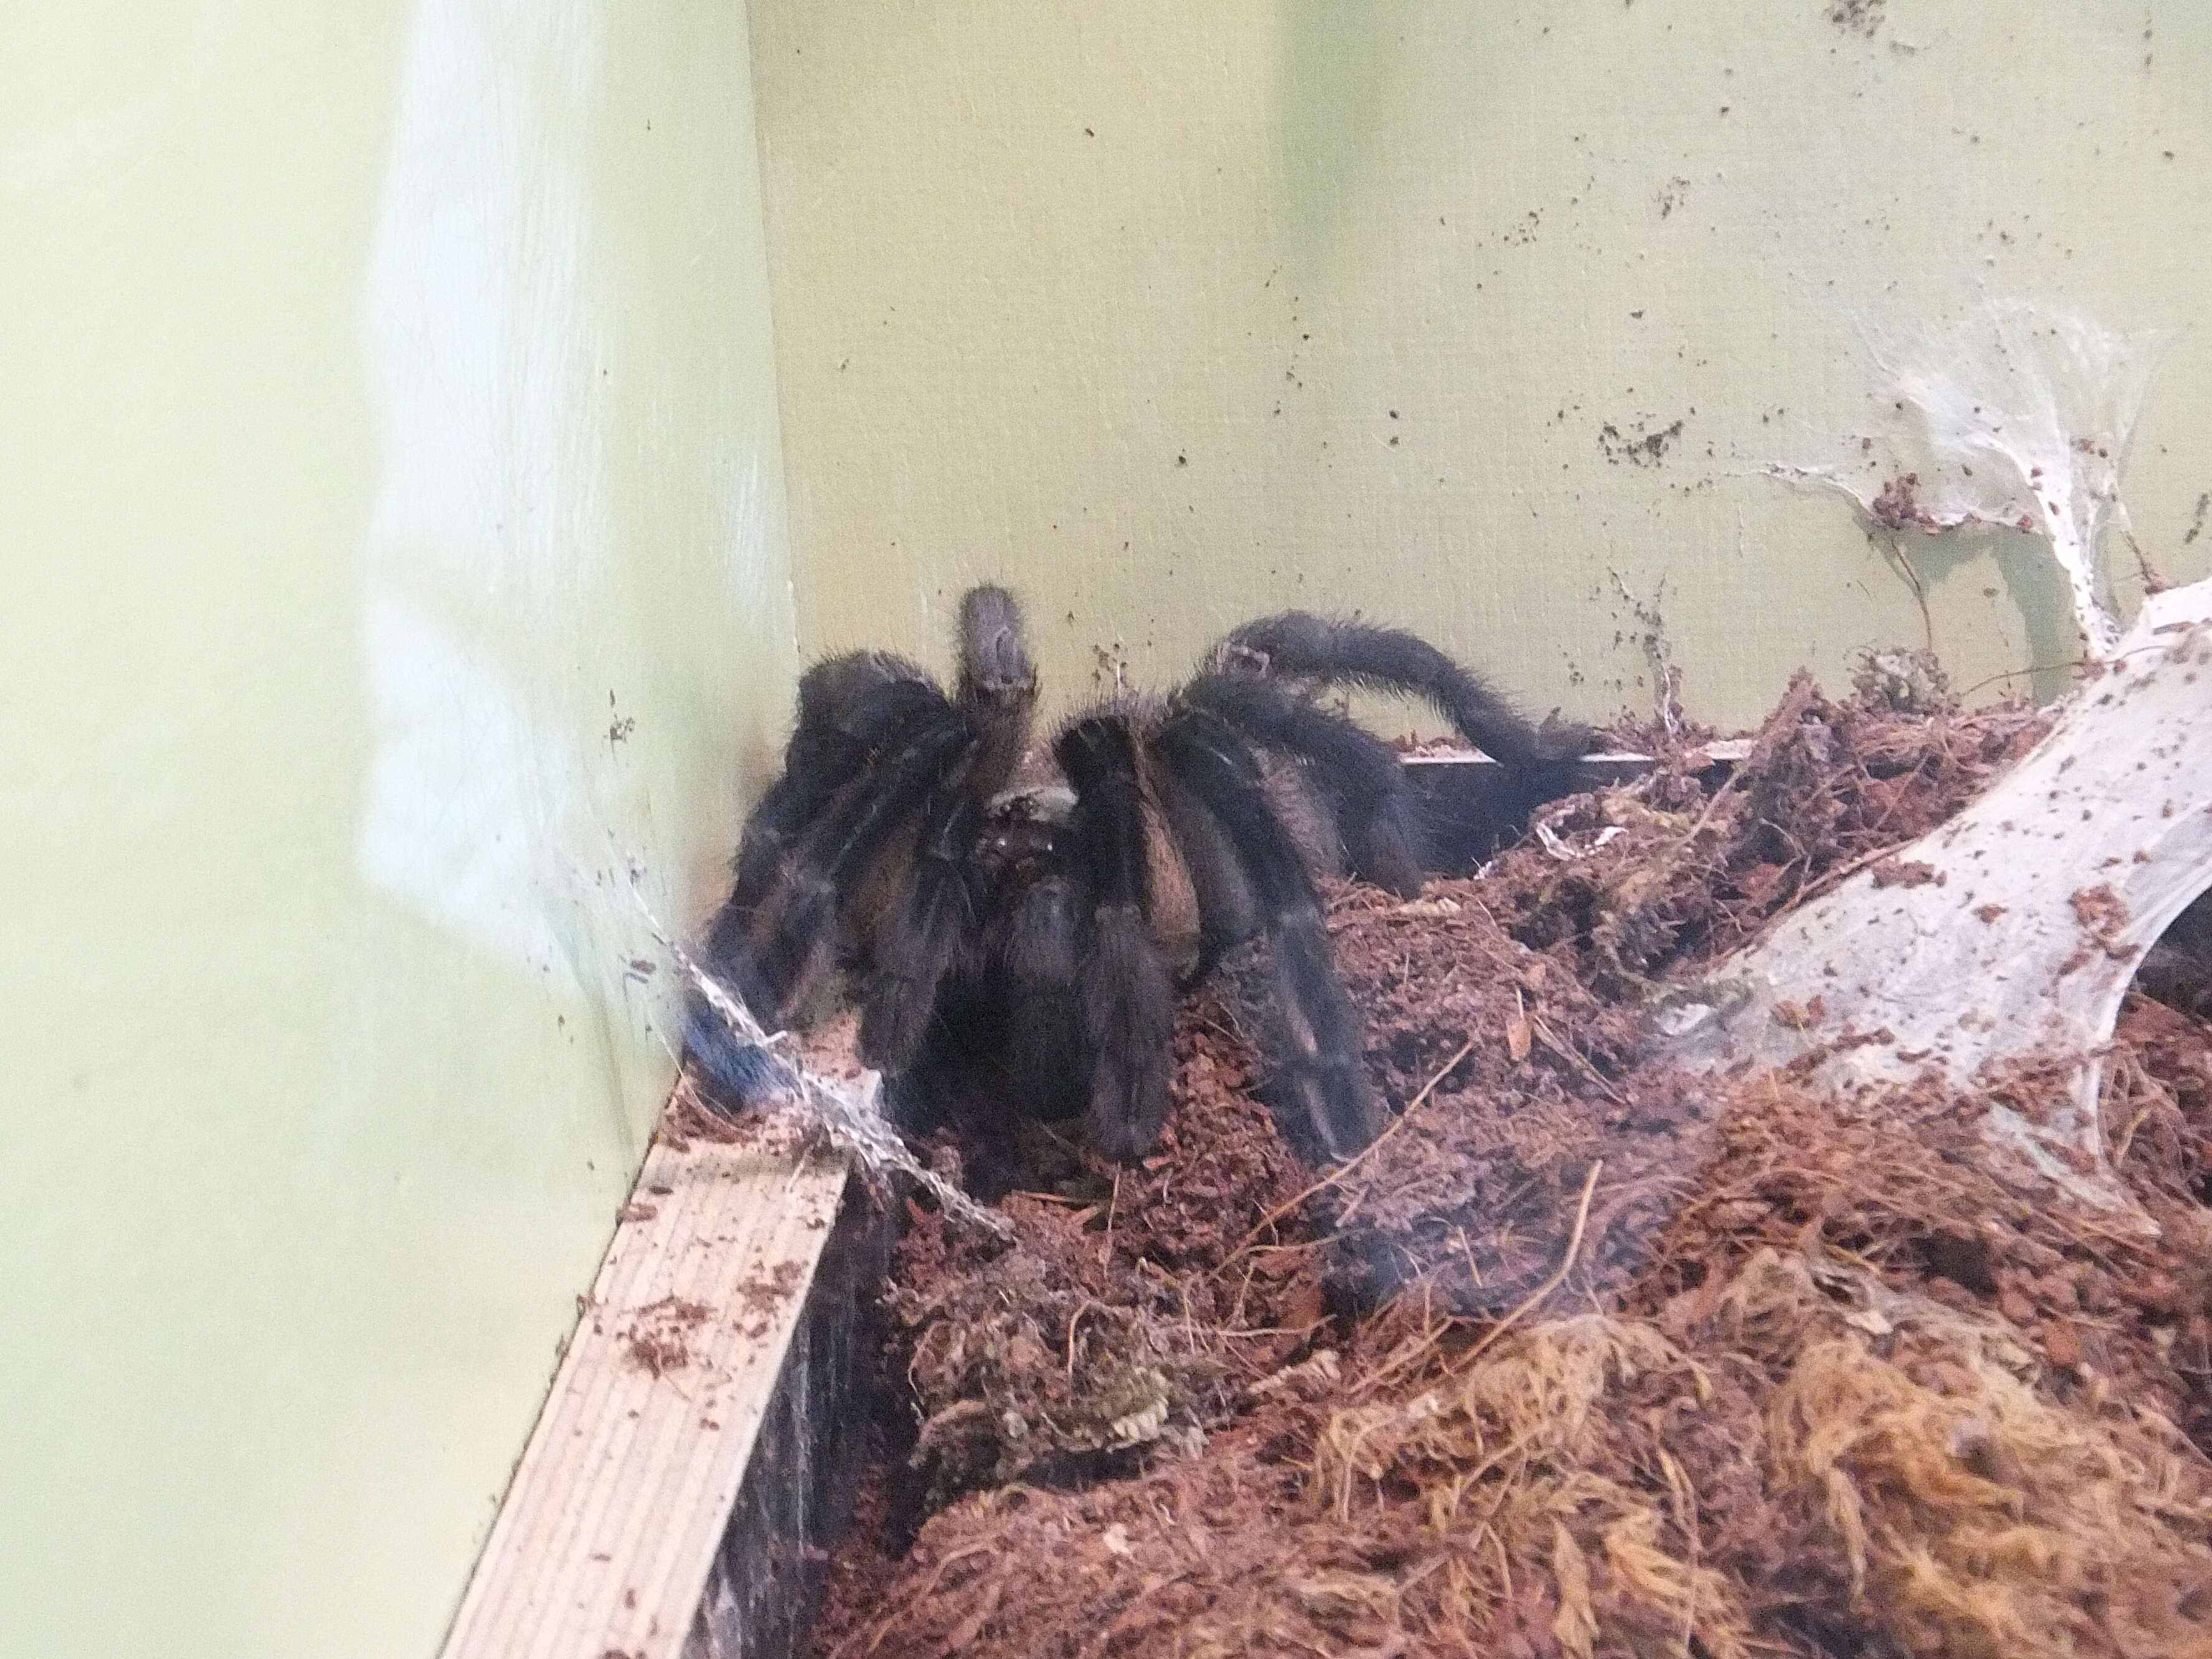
(1060, 918)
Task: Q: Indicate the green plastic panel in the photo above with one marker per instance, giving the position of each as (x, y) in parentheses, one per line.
(393, 531)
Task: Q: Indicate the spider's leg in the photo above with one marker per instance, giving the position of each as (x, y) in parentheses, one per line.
(1122, 981)
(1229, 910)
(877, 742)
(925, 930)
(1297, 645)
(737, 1071)
(1320, 1082)
(997, 685)
(770, 953)
(848, 707)
(1352, 771)
(793, 931)
(923, 934)
(851, 708)
(1040, 968)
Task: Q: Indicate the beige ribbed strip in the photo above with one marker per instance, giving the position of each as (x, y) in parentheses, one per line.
(606, 1536)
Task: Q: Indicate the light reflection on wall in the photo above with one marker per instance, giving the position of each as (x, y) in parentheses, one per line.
(493, 804)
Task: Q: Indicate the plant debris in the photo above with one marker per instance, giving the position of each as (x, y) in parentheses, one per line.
(659, 1337)
(1583, 1357)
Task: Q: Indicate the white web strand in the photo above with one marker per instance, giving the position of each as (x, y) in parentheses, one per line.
(844, 1115)
(2019, 418)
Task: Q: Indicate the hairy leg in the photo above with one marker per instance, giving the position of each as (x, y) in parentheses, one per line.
(1319, 1087)
(1040, 971)
(793, 933)
(997, 685)
(1126, 996)
(928, 917)
(1352, 772)
(849, 707)
(1298, 646)
(925, 932)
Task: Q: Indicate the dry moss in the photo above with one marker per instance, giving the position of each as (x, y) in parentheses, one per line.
(1108, 1329)
(1029, 1363)
(1807, 1461)
(1652, 875)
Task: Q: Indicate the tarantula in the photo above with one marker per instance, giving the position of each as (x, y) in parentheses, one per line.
(1061, 917)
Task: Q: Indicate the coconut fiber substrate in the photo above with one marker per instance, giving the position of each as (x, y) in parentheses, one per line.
(1582, 1356)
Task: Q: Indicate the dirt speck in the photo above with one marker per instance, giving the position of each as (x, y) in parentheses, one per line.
(1648, 447)
(1897, 505)
(2102, 917)
(767, 1289)
(1905, 872)
(1859, 17)
(658, 1333)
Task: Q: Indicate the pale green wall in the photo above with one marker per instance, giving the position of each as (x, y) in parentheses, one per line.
(1117, 300)
(386, 388)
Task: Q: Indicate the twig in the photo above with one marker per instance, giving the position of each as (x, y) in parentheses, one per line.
(1567, 1053)
(1912, 580)
(1821, 884)
(2151, 581)
(1081, 1308)
(2053, 667)
(1237, 1311)
(886, 1628)
(1106, 1251)
(1346, 1169)
(1559, 1274)
(1686, 1499)
(1433, 1327)
(2128, 1135)
(1121, 1620)
(1666, 676)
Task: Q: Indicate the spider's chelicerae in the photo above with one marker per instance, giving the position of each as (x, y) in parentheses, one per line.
(1059, 901)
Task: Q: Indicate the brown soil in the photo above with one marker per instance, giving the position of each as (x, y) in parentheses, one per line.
(1582, 1356)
